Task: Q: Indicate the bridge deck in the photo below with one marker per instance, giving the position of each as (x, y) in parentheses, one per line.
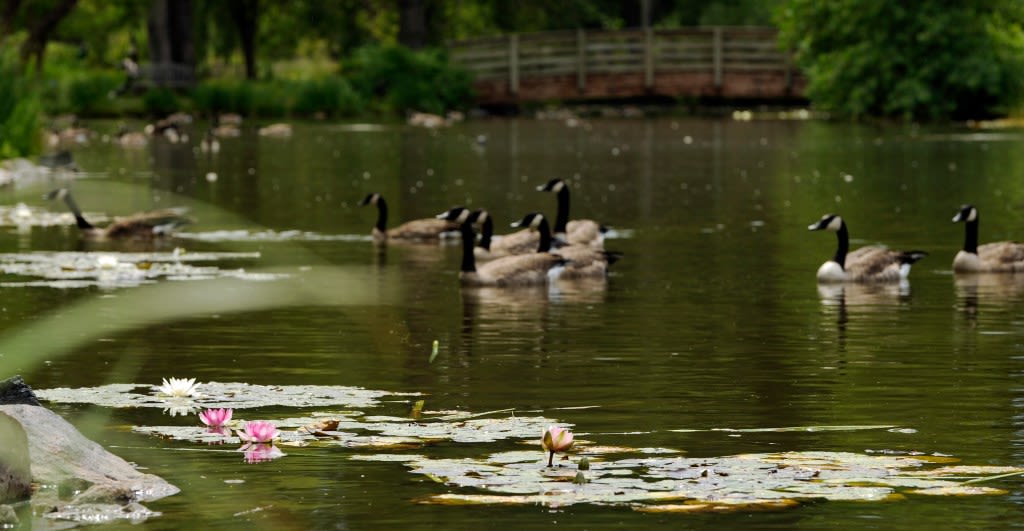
(725, 62)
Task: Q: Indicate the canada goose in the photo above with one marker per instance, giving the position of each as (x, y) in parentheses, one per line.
(873, 263)
(577, 231)
(582, 261)
(131, 139)
(209, 143)
(417, 229)
(996, 257)
(520, 242)
(532, 269)
(276, 130)
(144, 225)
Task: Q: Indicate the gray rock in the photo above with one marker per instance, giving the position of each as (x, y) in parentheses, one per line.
(14, 390)
(79, 480)
(8, 517)
(15, 476)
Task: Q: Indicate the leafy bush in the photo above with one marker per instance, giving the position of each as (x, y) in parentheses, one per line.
(931, 59)
(160, 101)
(19, 110)
(333, 96)
(403, 80)
(88, 92)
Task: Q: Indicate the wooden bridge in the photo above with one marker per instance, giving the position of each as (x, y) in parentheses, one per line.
(719, 62)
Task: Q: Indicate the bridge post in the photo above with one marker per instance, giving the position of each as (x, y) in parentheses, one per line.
(513, 63)
(581, 60)
(648, 58)
(716, 56)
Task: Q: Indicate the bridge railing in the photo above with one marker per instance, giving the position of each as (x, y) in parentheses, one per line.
(716, 50)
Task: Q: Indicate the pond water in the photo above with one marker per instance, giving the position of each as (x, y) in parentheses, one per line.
(712, 319)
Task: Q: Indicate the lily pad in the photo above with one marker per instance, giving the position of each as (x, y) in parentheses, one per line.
(740, 482)
(108, 269)
(233, 395)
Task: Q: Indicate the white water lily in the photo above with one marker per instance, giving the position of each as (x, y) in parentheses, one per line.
(180, 387)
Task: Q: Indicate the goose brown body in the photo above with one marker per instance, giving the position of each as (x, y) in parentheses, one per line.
(995, 257)
(524, 241)
(144, 225)
(427, 229)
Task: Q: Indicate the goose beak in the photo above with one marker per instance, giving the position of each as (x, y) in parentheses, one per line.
(514, 224)
(442, 215)
(812, 226)
(958, 218)
(541, 188)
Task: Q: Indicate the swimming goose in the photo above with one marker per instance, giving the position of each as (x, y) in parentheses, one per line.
(209, 143)
(873, 263)
(582, 261)
(276, 130)
(131, 139)
(520, 242)
(417, 229)
(144, 225)
(532, 269)
(996, 257)
(577, 231)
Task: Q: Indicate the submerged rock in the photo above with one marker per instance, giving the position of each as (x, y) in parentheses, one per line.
(78, 479)
(14, 390)
(15, 476)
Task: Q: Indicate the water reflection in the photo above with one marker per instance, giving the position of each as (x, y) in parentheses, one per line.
(864, 298)
(994, 291)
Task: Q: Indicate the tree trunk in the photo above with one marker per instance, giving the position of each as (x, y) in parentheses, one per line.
(246, 15)
(39, 34)
(170, 42)
(7, 17)
(412, 23)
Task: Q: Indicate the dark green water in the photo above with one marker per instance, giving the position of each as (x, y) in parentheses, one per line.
(711, 320)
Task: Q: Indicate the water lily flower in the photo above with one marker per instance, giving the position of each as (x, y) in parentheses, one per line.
(556, 439)
(182, 410)
(254, 453)
(258, 431)
(215, 418)
(180, 387)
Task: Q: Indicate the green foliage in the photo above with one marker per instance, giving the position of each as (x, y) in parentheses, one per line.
(333, 96)
(399, 79)
(89, 91)
(160, 101)
(19, 110)
(932, 59)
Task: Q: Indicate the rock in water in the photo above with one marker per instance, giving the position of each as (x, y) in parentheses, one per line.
(14, 390)
(101, 486)
(15, 475)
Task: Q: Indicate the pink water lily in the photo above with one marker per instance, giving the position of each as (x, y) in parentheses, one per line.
(258, 431)
(255, 453)
(556, 439)
(215, 418)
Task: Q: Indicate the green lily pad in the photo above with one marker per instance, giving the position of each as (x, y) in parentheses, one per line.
(108, 269)
(233, 395)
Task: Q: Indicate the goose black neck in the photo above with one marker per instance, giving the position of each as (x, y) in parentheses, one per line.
(562, 216)
(486, 233)
(545, 236)
(79, 219)
(468, 262)
(971, 236)
(382, 214)
(844, 245)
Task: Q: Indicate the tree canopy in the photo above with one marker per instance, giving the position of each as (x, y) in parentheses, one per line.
(929, 59)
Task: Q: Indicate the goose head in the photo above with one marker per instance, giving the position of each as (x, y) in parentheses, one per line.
(967, 214)
(370, 199)
(532, 220)
(457, 214)
(554, 185)
(830, 222)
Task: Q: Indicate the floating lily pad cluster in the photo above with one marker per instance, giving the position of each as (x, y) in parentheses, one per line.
(106, 269)
(644, 479)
